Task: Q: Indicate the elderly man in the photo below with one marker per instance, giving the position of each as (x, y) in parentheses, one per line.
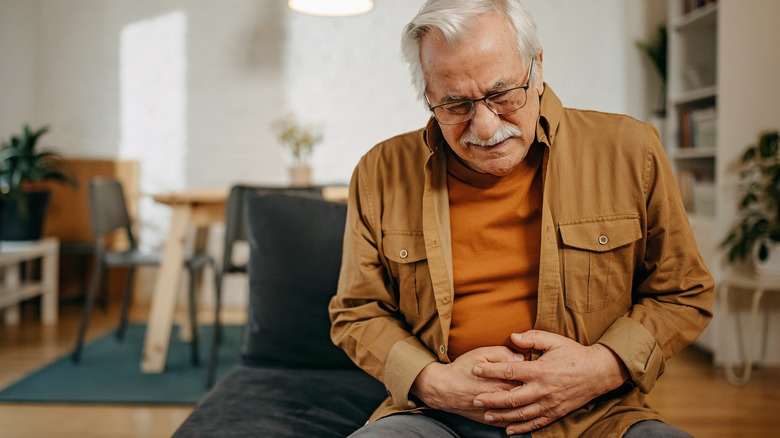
(515, 267)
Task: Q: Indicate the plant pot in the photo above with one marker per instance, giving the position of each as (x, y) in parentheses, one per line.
(15, 227)
(768, 269)
(300, 176)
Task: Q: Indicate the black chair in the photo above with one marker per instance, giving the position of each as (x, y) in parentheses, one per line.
(235, 232)
(108, 213)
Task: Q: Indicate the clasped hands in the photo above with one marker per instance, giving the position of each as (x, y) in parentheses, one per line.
(496, 386)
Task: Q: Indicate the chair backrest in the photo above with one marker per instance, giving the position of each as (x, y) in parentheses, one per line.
(235, 226)
(108, 209)
(295, 259)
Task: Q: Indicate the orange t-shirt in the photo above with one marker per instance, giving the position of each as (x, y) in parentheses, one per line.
(496, 238)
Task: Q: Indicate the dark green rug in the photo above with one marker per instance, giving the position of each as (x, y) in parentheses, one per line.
(109, 373)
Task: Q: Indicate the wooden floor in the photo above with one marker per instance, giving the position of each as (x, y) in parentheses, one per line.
(692, 394)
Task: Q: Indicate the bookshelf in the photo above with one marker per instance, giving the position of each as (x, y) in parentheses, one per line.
(692, 137)
(693, 103)
(722, 60)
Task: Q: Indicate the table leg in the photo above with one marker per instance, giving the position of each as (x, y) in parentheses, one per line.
(163, 306)
(49, 283)
(12, 282)
(731, 375)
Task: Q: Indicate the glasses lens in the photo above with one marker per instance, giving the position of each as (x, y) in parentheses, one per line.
(454, 113)
(507, 101)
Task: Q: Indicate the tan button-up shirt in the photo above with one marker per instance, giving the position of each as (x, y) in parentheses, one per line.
(618, 262)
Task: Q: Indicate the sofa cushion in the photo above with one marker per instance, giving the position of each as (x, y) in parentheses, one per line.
(295, 258)
(278, 402)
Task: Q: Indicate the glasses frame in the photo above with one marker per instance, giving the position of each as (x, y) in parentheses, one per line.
(485, 100)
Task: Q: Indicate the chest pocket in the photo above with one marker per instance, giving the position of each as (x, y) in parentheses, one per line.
(598, 261)
(409, 268)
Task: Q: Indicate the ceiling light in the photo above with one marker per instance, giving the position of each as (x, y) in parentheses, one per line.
(331, 8)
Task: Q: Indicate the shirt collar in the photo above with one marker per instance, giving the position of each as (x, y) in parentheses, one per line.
(550, 112)
(432, 135)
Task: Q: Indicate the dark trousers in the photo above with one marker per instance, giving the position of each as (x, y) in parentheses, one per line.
(436, 424)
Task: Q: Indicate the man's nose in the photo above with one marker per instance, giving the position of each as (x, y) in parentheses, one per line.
(484, 122)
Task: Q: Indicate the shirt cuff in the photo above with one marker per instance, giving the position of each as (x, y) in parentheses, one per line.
(405, 361)
(638, 350)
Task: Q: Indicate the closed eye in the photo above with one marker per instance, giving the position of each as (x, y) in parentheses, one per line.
(459, 108)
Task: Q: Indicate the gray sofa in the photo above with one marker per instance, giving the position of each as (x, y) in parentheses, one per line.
(291, 380)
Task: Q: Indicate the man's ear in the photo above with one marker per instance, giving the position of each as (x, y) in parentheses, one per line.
(539, 86)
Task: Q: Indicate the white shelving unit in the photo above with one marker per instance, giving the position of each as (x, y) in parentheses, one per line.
(722, 58)
(693, 85)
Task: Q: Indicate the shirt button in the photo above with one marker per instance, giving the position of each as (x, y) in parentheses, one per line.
(404, 254)
(445, 299)
(435, 243)
(603, 240)
(442, 350)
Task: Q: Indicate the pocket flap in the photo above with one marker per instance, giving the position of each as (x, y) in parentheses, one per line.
(602, 235)
(404, 248)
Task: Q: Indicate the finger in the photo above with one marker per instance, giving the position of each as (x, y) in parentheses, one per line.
(498, 354)
(514, 398)
(528, 426)
(519, 370)
(538, 340)
(523, 414)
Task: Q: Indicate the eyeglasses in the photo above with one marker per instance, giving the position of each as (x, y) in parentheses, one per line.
(503, 102)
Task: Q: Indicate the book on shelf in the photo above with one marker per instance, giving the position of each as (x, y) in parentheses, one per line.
(697, 191)
(685, 180)
(698, 127)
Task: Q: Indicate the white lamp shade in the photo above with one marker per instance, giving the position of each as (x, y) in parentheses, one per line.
(331, 8)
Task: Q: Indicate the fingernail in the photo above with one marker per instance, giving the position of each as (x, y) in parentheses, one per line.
(519, 357)
(489, 417)
(478, 403)
(478, 371)
(517, 336)
(510, 432)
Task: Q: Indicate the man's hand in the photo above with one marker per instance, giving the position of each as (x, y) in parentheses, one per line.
(567, 376)
(452, 387)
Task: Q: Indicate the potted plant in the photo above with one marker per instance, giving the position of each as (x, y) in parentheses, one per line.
(301, 139)
(757, 233)
(24, 171)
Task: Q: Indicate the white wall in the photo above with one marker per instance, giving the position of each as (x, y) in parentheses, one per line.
(18, 43)
(590, 57)
(347, 74)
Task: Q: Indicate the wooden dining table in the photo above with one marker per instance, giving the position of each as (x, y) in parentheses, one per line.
(200, 208)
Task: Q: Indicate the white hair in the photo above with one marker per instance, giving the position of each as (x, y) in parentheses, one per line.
(453, 17)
